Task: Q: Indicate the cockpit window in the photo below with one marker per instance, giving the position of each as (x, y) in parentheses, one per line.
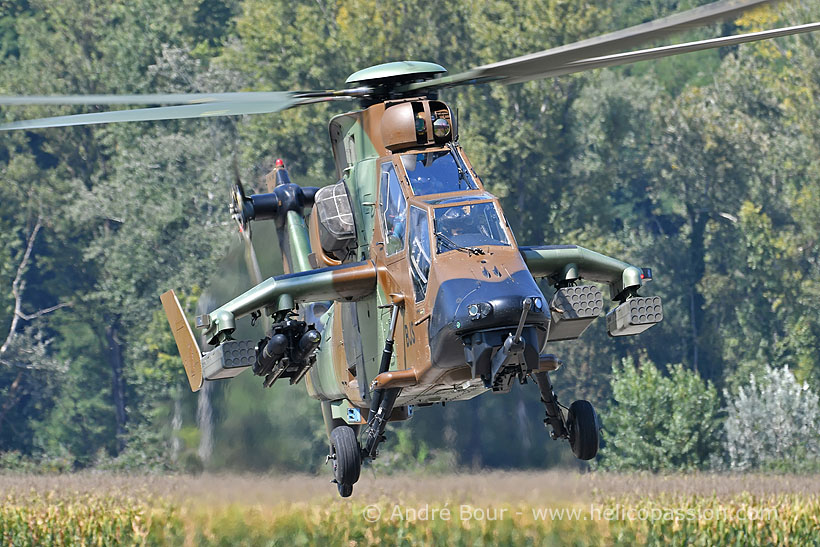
(394, 209)
(437, 173)
(484, 196)
(419, 251)
(468, 225)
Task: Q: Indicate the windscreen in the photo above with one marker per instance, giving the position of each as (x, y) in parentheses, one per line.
(468, 225)
(436, 173)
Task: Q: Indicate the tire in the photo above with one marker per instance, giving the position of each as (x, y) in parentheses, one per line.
(583, 430)
(347, 463)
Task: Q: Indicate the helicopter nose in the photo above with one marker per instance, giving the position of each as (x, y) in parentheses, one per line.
(467, 306)
(481, 311)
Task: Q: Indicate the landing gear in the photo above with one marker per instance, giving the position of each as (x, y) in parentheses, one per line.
(382, 407)
(555, 417)
(580, 426)
(583, 430)
(346, 458)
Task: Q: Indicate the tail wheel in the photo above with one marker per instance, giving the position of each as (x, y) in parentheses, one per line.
(346, 457)
(582, 424)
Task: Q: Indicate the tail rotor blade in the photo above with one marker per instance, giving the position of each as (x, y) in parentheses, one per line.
(254, 271)
(250, 258)
(239, 213)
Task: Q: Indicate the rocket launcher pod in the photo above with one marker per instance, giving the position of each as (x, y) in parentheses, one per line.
(573, 309)
(634, 316)
(228, 359)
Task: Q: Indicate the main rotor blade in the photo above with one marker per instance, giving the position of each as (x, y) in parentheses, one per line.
(287, 100)
(542, 63)
(155, 99)
(677, 49)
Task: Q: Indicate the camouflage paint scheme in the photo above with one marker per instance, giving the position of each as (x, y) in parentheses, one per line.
(354, 329)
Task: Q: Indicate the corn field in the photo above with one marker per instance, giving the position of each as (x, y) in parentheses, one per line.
(131, 512)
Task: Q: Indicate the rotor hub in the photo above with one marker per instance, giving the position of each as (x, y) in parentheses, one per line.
(383, 79)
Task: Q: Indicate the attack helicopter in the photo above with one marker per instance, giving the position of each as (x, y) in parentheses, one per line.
(404, 285)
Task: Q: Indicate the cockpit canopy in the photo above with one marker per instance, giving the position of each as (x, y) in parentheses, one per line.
(436, 173)
(468, 225)
(430, 204)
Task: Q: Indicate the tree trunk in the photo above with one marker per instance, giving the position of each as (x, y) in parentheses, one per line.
(204, 410)
(114, 352)
(176, 426)
(697, 264)
(204, 418)
(476, 454)
(523, 419)
(11, 398)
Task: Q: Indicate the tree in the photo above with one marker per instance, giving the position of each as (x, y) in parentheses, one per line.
(77, 185)
(773, 423)
(659, 422)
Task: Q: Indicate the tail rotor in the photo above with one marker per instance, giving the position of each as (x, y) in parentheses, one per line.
(242, 212)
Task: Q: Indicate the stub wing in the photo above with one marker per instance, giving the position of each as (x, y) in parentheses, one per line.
(277, 294)
(576, 306)
(571, 262)
(347, 282)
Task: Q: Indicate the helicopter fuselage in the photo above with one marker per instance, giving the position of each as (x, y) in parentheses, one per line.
(441, 246)
(405, 285)
(407, 278)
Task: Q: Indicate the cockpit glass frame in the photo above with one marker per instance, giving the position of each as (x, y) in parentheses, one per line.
(419, 255)
(469, 224)
(393, 209)
(437, 172)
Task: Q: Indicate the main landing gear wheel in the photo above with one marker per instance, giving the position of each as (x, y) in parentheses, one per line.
(346, 458)
(582, 425)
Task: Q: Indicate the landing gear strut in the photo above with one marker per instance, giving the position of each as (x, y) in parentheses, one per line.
(383, 400)
(381, 405)
(580, 427)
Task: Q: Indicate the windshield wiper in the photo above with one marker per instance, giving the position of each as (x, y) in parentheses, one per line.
(458, 164)
(456, 247)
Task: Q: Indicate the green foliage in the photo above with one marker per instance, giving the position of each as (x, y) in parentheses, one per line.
(257, 429)
(410, 454)
(113, 215)
(704, 167)
(16, 462)
(147, 450)
(659, 422)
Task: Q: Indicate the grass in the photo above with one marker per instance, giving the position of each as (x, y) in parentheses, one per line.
(552, 508)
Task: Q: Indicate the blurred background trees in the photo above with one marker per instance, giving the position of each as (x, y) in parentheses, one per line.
(660, 422)
(773, 423)
(704, 167)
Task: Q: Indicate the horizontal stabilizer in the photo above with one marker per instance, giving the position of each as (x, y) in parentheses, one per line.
(184, 337)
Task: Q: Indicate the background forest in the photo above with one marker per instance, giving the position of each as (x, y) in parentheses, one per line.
(705, 167)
